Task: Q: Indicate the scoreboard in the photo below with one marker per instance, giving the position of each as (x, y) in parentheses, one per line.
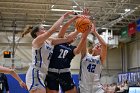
(7, 54)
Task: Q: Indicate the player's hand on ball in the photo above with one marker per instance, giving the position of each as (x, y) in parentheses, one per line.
(86, 13)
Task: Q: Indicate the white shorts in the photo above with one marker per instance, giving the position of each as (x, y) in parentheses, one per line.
(91, 89)
(35, 79)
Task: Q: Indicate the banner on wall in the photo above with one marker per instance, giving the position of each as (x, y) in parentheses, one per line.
(138, 25)
(131, 28)
(119, 78)
(124, 32)
(130, 76)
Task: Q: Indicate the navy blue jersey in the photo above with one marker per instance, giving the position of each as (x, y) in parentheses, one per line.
(62, 56)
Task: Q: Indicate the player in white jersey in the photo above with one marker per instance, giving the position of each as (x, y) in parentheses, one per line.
(41, 53)
(91, 66)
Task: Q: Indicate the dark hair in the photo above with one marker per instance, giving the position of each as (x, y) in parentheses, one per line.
(31, 29)
(34, 30)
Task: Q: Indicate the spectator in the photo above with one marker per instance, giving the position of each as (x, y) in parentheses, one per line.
(3, 83)
(126, 86)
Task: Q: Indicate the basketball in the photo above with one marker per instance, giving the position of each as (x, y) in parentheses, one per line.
(82, 24)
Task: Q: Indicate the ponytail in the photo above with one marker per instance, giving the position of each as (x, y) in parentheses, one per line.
(27, 30)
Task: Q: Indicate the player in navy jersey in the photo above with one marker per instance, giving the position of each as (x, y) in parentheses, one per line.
(59, 67)
(91, 66)
(42, 47)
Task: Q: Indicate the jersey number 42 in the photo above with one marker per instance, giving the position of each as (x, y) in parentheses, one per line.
(91, 68)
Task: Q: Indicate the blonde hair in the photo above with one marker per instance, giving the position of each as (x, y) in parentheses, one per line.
(26, 30)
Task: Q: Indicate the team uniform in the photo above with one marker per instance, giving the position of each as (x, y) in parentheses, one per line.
(37, 71)
(59, 68)
(90, 70)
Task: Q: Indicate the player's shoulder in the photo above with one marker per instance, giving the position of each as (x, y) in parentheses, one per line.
(87, 55)
(97, 57)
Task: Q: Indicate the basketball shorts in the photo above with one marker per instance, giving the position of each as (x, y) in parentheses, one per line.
(91, 89)
(35, 79)
(64, 79)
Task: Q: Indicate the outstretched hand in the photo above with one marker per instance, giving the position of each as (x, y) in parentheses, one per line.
(87, 31)
(86, 12)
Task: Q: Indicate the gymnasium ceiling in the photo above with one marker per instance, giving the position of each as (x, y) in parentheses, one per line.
(107, 13)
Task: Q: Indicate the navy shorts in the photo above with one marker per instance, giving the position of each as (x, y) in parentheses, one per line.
(64, 79)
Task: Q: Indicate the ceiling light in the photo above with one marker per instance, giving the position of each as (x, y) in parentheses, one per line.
(127, 10)
(46, 25)
(136, 8)
(74, 6)
(103, 28)
(65, 10)
(43, 21)
(52, 6)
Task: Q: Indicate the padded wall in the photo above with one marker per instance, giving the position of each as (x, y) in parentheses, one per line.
(15, 87)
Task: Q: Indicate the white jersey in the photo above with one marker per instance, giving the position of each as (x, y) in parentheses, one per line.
(41, 57)
(37, 71)
(90, 71)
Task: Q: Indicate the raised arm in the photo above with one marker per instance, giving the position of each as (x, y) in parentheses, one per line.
(14, 74)
(62, 31)
(84, 49)
(65, 26)
(71, 36)
(103, 44)
(85, 12)
(78, 49)
(41, 38)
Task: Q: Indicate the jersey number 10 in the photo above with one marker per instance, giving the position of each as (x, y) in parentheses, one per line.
(91, 68)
